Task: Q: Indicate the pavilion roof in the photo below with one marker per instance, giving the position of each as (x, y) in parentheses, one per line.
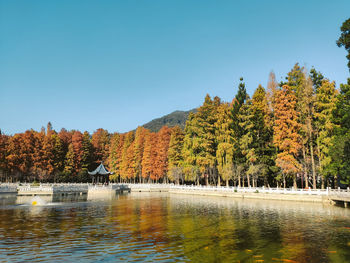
(100, 170)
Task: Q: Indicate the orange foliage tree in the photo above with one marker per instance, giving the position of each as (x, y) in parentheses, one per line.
(286, 133)
(161, 158)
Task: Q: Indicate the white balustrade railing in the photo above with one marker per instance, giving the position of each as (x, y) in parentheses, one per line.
(67, 187)
(270, 190)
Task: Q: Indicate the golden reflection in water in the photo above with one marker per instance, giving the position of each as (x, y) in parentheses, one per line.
(160, 227)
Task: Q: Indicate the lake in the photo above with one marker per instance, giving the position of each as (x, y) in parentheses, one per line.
(163, 227)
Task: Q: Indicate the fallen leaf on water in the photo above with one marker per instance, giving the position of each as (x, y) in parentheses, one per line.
(257, 256)
(206, 248)
(332, 252)
(349, 243)
(288, 260)
(259, 260)
(248, 250)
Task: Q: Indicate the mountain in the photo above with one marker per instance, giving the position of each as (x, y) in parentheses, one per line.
(175, 118)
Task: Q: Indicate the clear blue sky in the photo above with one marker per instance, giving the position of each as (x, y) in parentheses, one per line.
(119, 64)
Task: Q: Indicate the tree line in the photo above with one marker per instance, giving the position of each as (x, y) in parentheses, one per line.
(293, 133)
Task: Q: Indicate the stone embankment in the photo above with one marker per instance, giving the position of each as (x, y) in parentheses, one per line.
(298, 195)
(50, 189)
(8, 188)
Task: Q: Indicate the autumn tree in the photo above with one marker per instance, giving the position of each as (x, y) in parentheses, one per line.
(87, 156)
(113, 157)
(149, 156)
(100, 142)
(139, 145)
(161, 160)
(116, 154)
(301, 83)
(69, 163)
(286, 133)
(130, 168)
(271, 90)
(58, 155)
(4, 140)
(191, 149)
(77, 143)
(225, 142)
(129, 138)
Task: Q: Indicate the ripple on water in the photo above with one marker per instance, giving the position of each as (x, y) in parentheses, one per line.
(171, 228)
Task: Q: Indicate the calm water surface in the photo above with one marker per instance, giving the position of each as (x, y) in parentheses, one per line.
(171, 228)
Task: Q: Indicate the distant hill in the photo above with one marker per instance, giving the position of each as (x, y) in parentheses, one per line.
(175, 118)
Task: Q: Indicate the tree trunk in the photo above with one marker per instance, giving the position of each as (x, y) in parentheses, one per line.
(226, 182)
(313, 166)
(295, 186)
(312, 157)
(305, 169)
(248, 180)
(239, 181)
(219, 181)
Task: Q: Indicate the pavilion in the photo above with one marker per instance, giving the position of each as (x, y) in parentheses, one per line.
(100, 174)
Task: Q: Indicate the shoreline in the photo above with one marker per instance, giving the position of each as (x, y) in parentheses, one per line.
(309, 196)
(261, 196)
(325, 196)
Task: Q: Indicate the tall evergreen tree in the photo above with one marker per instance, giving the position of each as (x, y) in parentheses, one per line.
(325, 104)
(340, 150)
(247, 139)
(263, 133)
(206, 156)
(175, 158)
(238, 101)
(344, 39)
(316, 78)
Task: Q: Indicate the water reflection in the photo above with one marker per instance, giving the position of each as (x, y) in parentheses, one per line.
(174, 228)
